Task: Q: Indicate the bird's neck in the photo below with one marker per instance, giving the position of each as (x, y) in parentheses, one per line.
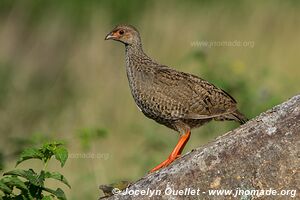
(135, 56)
(137, 62)
(134, 50)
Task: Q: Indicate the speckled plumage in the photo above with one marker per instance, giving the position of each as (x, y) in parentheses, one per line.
(178, 100)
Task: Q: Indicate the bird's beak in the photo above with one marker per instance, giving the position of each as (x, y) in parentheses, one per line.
(110, 36)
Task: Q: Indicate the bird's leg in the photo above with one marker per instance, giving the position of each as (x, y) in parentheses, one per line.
(176, 151)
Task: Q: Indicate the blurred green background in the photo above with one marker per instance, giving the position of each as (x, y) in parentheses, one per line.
(59, 79)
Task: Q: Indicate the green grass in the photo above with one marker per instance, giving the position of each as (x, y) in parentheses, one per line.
(59, 79)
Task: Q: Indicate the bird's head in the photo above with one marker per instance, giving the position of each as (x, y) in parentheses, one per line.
(126, 34)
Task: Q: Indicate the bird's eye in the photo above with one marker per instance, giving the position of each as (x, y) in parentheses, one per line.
(121, 32)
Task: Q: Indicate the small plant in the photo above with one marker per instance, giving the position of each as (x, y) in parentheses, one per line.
(28, 184)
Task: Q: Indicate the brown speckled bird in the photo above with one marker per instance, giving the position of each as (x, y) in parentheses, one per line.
(178, 100)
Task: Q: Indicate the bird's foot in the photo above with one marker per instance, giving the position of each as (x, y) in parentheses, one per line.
(165, 163)
(175, 153)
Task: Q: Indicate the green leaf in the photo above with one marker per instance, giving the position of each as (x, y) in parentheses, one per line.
(61, 154)
(30, 153)
(50, 146)
(30, 175)
(57, 176)
(4, 187)
(26, 196)
(13, 181)
(46, 198)
(54, 148)
(59, 193)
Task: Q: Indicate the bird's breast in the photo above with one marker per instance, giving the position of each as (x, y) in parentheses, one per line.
(135, 80)
(142, 90)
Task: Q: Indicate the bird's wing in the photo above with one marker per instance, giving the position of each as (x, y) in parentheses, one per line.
(177, 95)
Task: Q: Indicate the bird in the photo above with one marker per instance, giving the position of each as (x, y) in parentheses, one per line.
(113, 188)
(178, 100)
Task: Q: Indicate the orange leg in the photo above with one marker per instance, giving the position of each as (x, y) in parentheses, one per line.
(176, 151)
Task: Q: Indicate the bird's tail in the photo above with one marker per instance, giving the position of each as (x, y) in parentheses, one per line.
(234, 116)
(239, 117)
